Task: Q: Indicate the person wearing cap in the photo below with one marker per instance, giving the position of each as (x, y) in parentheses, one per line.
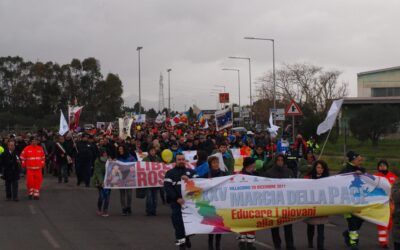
(280, 171)
(351, 235)
(383, 232)
(33, 159)
(151, 193)
(247, 239)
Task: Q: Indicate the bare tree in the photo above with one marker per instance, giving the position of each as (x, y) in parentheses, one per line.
(305, 83)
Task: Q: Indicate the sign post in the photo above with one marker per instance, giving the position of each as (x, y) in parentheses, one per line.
(293, 110)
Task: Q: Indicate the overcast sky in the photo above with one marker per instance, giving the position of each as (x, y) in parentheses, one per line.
(194, 39)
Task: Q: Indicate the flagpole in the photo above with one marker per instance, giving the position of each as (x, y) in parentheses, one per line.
(323, 147)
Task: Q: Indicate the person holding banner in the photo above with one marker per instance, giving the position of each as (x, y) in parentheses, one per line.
(281, 171)
(383, 232)
(172, 186)
(319, 170)
(151, 193)
(214, 171)
(354, 223)
(247, 239)
(125, 194)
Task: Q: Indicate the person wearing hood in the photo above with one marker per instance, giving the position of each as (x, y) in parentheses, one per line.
(280, 171)
(98, 180)
(383, 232)
(354, 223)
(247, 239)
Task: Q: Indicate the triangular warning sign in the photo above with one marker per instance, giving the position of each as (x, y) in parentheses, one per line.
(293, 109)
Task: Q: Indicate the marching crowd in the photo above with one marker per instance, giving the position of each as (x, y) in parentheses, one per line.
(32, 155)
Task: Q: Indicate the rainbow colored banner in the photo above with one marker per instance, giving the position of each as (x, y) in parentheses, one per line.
(242, 203)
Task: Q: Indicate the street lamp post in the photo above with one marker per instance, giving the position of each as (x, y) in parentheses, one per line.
(140, 85)
(240, 107)
(273, 60)
(249, 59)
(169, 91)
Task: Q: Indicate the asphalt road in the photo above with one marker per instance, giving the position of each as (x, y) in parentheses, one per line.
(65, 218)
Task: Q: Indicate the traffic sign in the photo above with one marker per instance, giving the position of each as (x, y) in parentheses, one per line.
(293, 109)
(223, 97)
(278, 114)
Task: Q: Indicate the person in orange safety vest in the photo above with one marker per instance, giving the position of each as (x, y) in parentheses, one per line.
(383, 232)
(33, 159)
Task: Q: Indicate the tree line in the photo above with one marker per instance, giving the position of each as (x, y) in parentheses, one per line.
(33, 93)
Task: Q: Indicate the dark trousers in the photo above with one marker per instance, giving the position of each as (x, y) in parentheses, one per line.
(12, 189)
(217, 241)
(104, 199)
(177, 221)
(276, 238)
(320, 235)
(83, 173)
(62, 172)
(151, 201)
(353, 224)
(126, 199)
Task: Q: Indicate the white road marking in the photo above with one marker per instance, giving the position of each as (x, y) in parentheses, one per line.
(32, 209)
(50, 239)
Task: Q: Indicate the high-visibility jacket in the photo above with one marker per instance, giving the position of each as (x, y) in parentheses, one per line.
(390, 176)
(33, 157)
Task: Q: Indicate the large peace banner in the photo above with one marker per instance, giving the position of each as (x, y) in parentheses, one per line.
(136, 174)
(242, 203)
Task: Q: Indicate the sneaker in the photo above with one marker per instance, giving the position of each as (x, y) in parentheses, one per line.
(124, 212)
(36, 198)
(128, 211)
(105, 214)
(99, 213)
(30, 197)
(385, 247)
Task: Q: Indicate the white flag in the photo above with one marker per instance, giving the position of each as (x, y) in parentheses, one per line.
(273, 129)
(330, 119)
(206, 125)
(63, 125)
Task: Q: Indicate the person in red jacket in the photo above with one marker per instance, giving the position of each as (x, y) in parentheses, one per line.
(383, 171)
(33, 159)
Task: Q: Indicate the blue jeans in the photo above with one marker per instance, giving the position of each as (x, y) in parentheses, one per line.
(151, 201)
(104, 199)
